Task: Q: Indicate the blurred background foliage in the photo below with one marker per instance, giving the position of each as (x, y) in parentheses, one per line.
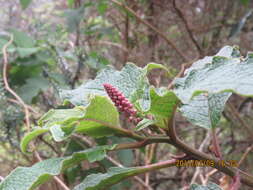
(61, 44)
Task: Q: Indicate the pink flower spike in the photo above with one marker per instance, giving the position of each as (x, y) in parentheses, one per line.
(121, 102)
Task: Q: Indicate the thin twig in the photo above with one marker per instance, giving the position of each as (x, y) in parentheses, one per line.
(245, 155)
(216, 145)
(6, 84)
(17, 102)
(181, 72)
(243, 123)
(201, 148)
(161, 34)
(181, 15)
(59, 181)
(50, 145)
(111, 44)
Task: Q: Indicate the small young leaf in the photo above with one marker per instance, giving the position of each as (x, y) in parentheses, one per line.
(162, 105)
(144, 123)
(152, 66)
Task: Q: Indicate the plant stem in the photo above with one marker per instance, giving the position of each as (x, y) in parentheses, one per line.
(245, 178)
(157, 166)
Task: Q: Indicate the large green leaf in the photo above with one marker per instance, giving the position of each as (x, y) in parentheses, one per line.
(32, 88)
(163, 103)
(113, 176)
(223, 74)
(28, 178)
(208, 75)
(95, 120)
(209, 186)
(21, 39)
(131, 81)
(23, 52)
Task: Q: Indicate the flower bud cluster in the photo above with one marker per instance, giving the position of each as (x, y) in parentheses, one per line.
(122, 103)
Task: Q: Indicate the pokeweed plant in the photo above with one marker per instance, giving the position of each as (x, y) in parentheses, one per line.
(199, 95)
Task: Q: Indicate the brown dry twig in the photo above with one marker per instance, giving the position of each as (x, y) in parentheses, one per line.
(156, 30)
(6, 84)
(237, 115)
(245, 155)
(181, 15)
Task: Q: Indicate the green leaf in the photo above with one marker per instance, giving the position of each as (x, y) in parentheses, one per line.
(144, 123)
(126, 156)
(70, 3)
(96, 61)
(32, 88)
(205, 110)
(21, 39)
(102, 6)
(92, 120)
(61, 116)
(74, 17)
(210, 186)
(163, 103)
(217, 76)
(29, 137)
(25, 3)
(100, 113)
(28, 178)
(223, 74)
(60, 133)
(20, 72)
(24, 52)
(245, 2)
(152, 66)
(113, 176)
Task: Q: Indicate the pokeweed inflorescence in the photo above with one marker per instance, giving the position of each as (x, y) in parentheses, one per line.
(122, 103)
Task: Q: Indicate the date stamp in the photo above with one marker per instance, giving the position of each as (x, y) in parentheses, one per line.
(206, 163)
